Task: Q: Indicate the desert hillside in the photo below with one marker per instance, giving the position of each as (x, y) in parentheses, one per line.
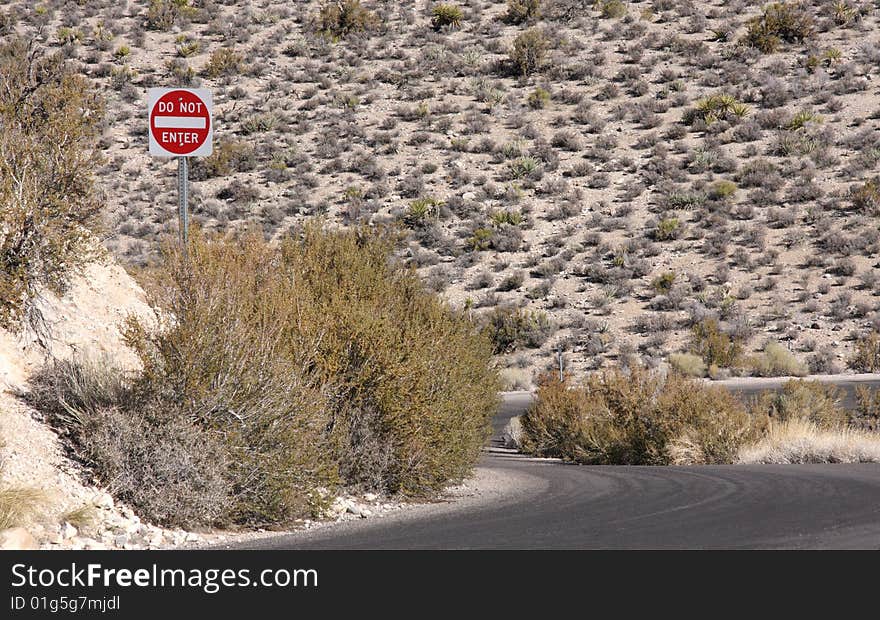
(636, 168)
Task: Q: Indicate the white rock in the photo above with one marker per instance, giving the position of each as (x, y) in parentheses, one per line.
(103, 501)
(16, 539)
(68, 531)
(371, 497)
(120, 540)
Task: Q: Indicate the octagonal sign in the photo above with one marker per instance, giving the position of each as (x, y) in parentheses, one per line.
(180, 122)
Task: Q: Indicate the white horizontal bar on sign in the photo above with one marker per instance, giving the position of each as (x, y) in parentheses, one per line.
(179, 122)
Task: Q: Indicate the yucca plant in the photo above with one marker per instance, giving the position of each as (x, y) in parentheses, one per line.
(446, 16)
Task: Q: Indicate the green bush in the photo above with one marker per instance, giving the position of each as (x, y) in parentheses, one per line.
(446, 16)
(777, 361)
(224, 62)
(50, 119)
(528, 51)
(662, 284)
(687, 364)
(340, 18)
(636, 418)
(512, 328)
(866, 354)
(612, 9)
(866, 197)
(166, 466)
(312, 362)
(668, 229)
(780, 21)
(723, 190)
(812, 401)
(227, 157)
(538, 99)
(519, 11)
(713, 345)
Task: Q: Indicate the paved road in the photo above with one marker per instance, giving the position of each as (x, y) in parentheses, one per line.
(574, 507)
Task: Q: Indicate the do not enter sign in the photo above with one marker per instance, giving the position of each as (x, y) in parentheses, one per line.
(180, 122)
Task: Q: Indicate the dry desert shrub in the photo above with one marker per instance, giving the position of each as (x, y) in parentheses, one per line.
(637, 417)
(799, 441)
(19, 505)
(787, 22)
(815, 402)
(49, 122)
(866, 356)
(340, 18)
(279, 370)
(777, 361)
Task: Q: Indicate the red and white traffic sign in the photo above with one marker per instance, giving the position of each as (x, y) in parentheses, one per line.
(180, 122)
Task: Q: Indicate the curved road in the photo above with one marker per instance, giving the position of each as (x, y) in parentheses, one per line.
(575, 507)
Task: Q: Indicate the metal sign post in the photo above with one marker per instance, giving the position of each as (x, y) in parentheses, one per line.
(180, 126)
(183, 199)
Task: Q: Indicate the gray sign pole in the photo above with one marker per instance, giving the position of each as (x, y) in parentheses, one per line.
(182, 194)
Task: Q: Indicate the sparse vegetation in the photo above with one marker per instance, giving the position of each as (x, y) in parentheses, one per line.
(739, 171)
(777, 361)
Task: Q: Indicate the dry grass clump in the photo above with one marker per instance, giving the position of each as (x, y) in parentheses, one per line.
(49, 122)
(798, 441)
(777, 361)
(688, 364)
(513, 328)
(18, 505)
(637, 417)
(278, 370)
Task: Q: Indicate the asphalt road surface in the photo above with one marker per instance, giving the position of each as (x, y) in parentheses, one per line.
(615, 507)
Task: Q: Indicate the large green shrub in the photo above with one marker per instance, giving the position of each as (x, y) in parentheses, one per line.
(636, 417)
(528, 51)
(50, 119)
(313, 362)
